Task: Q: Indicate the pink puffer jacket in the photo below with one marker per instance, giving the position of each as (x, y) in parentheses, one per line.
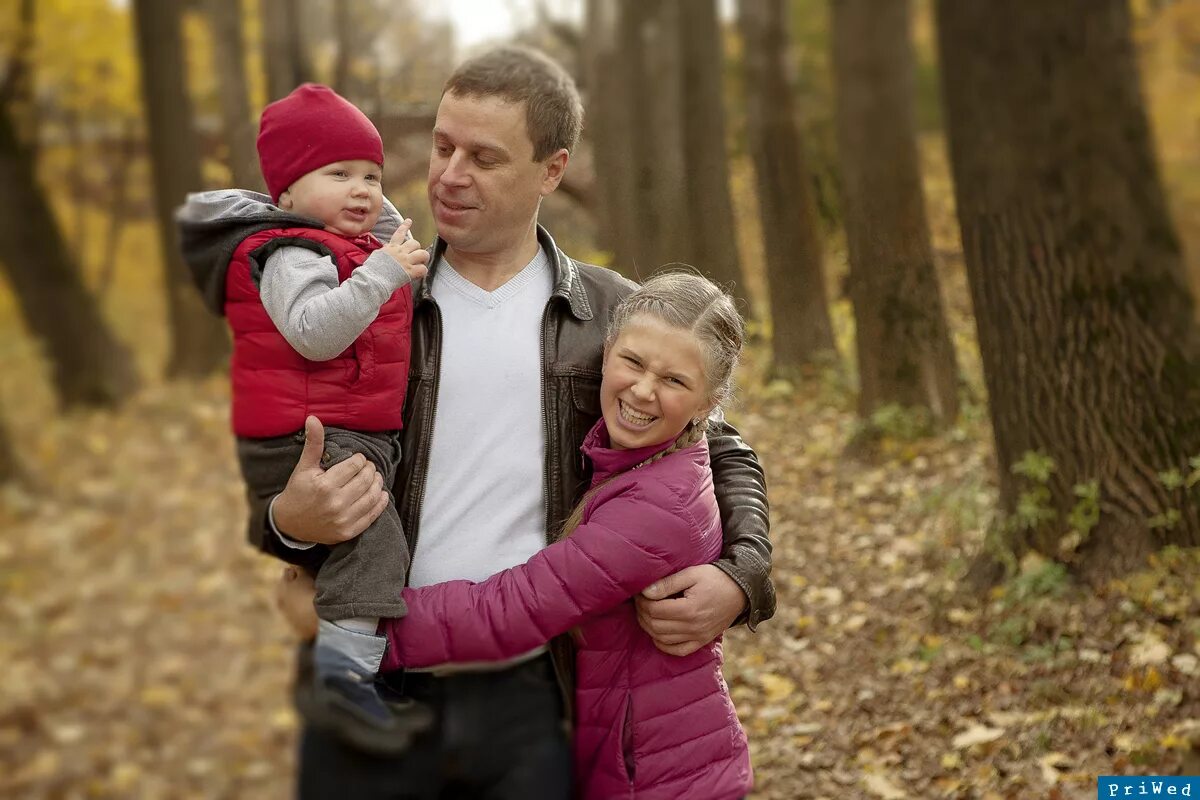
(649, 725)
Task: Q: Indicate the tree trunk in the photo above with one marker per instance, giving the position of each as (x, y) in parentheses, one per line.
(16, 92)
(89, 366)
(199, 343)
(712, 229)
(9, 471)
(801, 330)
(904, 352)
(284, 53)
(1085, 322)
(225, 23)
(612, 74)
(649, 51)
(119, 173)
(343, 29)
(668, 240)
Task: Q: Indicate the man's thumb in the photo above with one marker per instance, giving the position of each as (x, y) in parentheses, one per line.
(314, 443)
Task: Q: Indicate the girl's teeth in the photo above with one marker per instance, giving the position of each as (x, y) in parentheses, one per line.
(633, 416)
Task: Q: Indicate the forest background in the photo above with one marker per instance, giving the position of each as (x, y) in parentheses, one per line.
(966, 236)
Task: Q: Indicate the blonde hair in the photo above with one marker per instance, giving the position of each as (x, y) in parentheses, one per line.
(691, 302)
(687, 300)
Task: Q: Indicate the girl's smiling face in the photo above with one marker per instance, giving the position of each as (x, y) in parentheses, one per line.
(654, 383)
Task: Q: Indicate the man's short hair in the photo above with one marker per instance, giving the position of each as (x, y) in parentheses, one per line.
(553, 110)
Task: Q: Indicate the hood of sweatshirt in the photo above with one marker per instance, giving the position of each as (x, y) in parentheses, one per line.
(213, 224)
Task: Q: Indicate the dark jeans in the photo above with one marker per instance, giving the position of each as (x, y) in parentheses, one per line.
(497, 736)
(362, 577)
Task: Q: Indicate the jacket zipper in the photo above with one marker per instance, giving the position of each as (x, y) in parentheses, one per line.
(627, 739)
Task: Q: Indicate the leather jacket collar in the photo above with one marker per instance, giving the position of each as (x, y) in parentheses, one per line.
(566, 276)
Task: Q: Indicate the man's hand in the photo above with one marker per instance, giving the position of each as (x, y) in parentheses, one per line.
(294, 598)
(328, 506)
(710, 603)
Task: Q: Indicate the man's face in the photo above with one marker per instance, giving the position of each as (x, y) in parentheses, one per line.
(484, 186)
(346, 195)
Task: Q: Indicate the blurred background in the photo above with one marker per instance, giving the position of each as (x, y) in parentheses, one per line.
(966, 236)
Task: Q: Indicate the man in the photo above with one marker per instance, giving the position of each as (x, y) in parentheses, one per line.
(506, 351)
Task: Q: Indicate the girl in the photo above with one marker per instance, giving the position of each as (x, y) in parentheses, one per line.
(648, 725)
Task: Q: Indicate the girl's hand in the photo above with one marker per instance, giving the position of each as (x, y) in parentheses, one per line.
(294, 598)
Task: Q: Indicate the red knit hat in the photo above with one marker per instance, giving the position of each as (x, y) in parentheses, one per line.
(311, 127)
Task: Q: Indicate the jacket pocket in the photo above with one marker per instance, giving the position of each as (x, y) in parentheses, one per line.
(627, 739)
(585, 406)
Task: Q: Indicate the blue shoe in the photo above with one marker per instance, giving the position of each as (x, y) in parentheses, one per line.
(346, 700)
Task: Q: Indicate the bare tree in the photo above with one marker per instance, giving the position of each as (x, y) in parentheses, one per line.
(904, 352)
(1085, 322)
(89, 366)
(199, 343)
(801, 329)
(229, 56)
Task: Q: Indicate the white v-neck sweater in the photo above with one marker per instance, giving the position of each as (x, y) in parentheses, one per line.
(484, 506)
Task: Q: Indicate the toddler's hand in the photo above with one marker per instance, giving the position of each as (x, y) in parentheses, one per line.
(408, 251)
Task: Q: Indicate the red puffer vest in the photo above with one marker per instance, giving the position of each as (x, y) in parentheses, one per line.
(274, 387)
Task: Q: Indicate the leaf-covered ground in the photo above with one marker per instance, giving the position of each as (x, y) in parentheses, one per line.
(142, 657)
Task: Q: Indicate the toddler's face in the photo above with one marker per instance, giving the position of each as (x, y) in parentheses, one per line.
(346, 195)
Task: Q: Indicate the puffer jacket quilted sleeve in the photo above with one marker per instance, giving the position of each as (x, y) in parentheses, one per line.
(639, 533)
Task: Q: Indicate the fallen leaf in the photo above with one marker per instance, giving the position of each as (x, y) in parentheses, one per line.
(776, 687)
(880, 786)
(1151, 650)
(976, 734)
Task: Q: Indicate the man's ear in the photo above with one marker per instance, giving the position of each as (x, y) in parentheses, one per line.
(556, 166)
(285, 200)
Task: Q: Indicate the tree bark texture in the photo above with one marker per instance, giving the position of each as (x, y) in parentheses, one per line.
(225, 23)
(800, 324)
(1085, 322)
(905, 356)
(88, 365)
(199, 343)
